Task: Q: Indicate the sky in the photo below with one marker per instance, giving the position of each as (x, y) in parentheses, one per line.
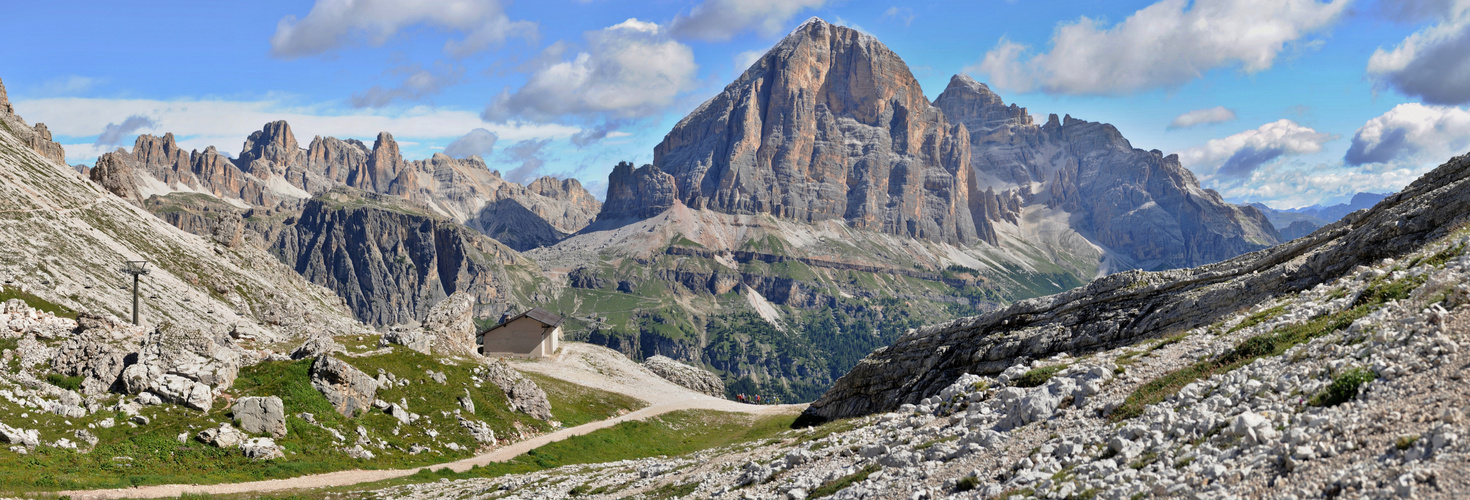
(1285, 102)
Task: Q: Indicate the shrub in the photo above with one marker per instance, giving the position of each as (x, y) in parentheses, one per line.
(1037, 376)
(1344, 387)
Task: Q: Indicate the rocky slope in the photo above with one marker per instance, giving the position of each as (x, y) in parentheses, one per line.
(1127, 307)
(1142, 205)
(828, 125)
(1340, 373)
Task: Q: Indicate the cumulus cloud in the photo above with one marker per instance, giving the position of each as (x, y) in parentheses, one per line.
(1217, 114)
(532, 157)
(1166, 44)
(479, 142)
(1411, 133)
(69, 85)
(225, 124)
(1290, 186)
(1433, 64)
(115, 133)
(336, 23)
(628, 70)
(417, 83)
(1239, 155)
(721, 20)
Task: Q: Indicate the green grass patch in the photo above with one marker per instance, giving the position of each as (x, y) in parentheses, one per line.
(672, 490)
(1257, 318)
(7, 293)
(1267, 344)
(1344, 387)
(836, 485)
(64, 382)
(1037, 376)
(1168, 341)
(574, 405)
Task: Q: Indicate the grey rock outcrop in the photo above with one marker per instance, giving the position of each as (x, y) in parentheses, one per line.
(317, 345)
(638, 193)
(697, 379)
(346, 387)
(224, 436)
(159, 160)
(520, 392)
(780, 140)
(184, 366)
(261, 448)
(37, 137)
(260, 415)
(97, 353)
(451, 323)
(1140, 204)
(408, 336)
(1125, 307)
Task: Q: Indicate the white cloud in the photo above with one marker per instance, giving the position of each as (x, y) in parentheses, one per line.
(903, 15)
(1290, 186)
(226, 124)
(1217, 114)
(418, 83)
(1240, 155)
(1165, 44)
(336, 23)
(1411, 134)
(628, 70)
(1433, 64)
(531, 155)
(721, 20)
(479, 142)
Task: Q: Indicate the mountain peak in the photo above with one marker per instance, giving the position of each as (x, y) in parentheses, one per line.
(5, 101)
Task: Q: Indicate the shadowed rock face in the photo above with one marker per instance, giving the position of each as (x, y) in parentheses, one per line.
(638, 193)
(830, 124)
(1141, 204)
(1126, 307)
(390, 264)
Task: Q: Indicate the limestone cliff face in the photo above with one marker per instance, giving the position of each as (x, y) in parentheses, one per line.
(158, 166)
(829, 124)
(38, 138)
(389, 263)
(1141, 204)
(638, 193)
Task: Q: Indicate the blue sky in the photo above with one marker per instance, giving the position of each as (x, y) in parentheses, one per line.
(1288, 102)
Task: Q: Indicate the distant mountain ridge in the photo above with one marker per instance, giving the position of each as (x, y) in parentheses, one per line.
(1297, 222)
(272, 167)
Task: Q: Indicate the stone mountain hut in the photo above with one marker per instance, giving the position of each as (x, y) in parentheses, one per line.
(535, 333)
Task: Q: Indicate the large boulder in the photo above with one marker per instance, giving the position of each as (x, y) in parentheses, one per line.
(697, 379)
(451, 324)
(407, 336)
(261, 415)
(184, 366)
(316, 346)
(346, 387)
(98, 353)
(522, 394)
(224, 436)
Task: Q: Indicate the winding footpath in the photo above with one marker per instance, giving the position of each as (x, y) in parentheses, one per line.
(582, 364)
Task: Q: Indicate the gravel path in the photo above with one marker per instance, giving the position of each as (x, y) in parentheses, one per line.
(582, 364)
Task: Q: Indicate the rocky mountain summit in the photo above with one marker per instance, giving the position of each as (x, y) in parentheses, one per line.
(1142, 205)
(829, 124)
